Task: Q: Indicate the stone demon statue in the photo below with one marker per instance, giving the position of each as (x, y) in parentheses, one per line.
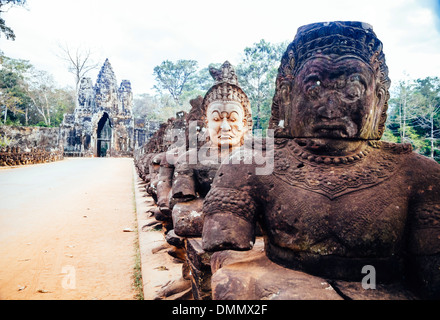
(227, 117)
(339, 199)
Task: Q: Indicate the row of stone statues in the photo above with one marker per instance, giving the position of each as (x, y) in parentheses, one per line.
(341, 214)
(14, 156)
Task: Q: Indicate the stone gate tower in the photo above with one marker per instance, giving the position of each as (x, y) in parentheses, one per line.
(102, 123)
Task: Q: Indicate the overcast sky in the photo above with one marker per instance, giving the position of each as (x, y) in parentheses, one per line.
(138, 35)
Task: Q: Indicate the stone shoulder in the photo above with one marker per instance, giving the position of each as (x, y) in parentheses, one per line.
(418, 165)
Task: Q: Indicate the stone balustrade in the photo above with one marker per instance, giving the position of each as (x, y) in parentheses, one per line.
(13, 156)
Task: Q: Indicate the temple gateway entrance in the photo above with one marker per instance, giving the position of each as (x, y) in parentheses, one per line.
(104, 137)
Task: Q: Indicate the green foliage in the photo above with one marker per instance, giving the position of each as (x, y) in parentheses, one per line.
(389, 136)
(203, 78)
(5, 141)
(29, 96)
(12, 95)
(41, 124)
(175, 78)
(177, 83)
(414, 115)
(7, 31)
(257, 72)
(154, 108)
(63, 102)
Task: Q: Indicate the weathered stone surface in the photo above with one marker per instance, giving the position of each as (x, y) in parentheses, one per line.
(200, 258)
(162, 138)
(255, 277)
(223, 258)
(338, 198)
(226, 112)
(102, 123)
(174, 239)
(199, 263)
(188, 218)
(236, 280)
(30, 145)
(179, 286)
(355, 291)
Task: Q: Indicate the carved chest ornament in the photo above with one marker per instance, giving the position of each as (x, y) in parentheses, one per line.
(332, 176)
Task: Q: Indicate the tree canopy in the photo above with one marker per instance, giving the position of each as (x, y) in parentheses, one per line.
(175, 78)
(4, 6)
(256, 71)
(414, 115)
(29, 96)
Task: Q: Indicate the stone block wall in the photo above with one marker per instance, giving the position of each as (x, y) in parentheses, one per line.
(29, 145)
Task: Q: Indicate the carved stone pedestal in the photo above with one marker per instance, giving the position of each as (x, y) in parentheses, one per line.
(199, 262)
(250, 275)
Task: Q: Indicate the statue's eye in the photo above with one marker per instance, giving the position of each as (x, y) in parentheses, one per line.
(312, 85)
(353, 93)
(314, 88)
(356, 87)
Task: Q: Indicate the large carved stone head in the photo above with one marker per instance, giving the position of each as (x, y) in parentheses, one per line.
(332, 83)
(226, 108)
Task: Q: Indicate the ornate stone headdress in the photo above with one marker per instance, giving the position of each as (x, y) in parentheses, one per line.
(226, 88)
(340, 38)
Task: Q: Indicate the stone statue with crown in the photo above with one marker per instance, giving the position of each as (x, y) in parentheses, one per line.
(225, 118)
(344, 214)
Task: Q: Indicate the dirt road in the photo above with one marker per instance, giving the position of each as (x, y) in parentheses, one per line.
(62, 230)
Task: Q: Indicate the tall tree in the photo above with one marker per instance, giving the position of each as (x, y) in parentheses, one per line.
(79, 63)
(404, 109)
(10, 103)
(428, 92)
(414, 115)
(29, 96)
(256, 74)
(175, 78)
(40, 88)
(63, 102)
(12, 95)
(4, 6)
(148, 107)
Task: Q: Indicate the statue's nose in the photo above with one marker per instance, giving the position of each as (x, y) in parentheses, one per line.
(330, 107)
(225, 125)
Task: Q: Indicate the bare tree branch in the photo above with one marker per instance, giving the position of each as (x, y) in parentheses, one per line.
(79, 62)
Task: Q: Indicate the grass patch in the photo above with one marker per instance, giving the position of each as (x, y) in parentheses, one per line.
(137, 276)
(137, 268)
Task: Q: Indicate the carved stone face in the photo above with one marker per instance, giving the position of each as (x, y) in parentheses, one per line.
(334, 98)
(226, 123)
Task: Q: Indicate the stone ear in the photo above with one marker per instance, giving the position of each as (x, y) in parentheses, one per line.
(285, 89)
(381, 96)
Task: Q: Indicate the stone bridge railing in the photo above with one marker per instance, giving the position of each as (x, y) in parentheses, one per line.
(13, 156)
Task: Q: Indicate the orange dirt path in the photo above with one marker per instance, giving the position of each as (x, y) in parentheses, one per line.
(62, 230)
